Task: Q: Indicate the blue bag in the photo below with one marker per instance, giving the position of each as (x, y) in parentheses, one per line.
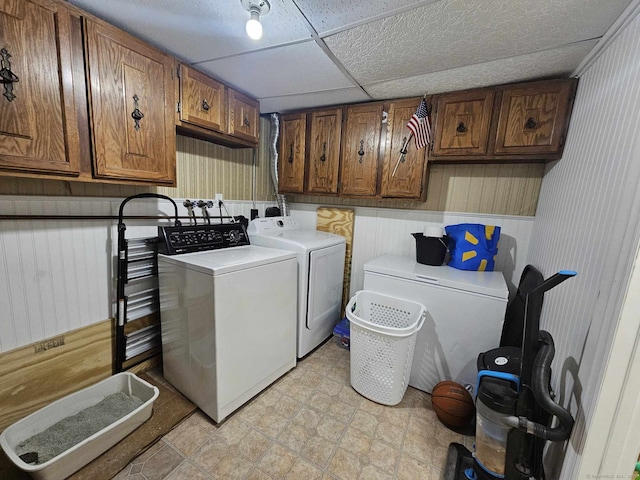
(473, 246)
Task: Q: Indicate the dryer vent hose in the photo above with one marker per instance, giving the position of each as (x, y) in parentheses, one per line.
(275, 133)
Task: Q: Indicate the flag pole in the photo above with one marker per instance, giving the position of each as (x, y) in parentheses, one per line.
(403, 149)
(403, 152)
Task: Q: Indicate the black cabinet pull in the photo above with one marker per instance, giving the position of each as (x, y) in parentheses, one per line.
(361, 151)
(323, 157)
(7, 77)
(137, 115)
(531, 124)
(205, 105)
(247, 123)
(290, 160)
(461, 128)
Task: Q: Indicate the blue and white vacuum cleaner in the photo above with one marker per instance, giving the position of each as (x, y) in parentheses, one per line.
(515, 405)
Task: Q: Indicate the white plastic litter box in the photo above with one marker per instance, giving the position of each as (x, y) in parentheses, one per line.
(88, 449)
(383, 338)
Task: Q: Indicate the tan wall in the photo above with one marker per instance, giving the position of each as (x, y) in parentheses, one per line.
(204, 169)
(510, 189)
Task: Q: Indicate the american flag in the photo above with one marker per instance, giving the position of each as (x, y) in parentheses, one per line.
(419, 125)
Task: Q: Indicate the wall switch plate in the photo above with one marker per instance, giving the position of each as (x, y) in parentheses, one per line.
(219, 197)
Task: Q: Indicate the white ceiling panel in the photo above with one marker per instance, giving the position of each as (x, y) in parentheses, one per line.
(287, 70)
(454, 33)
(317, 99)
(383, 48)
(329, 15)
(199, 30)
(550, 63)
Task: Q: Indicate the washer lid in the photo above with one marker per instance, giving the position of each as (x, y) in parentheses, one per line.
(218, 262)
(301, 240)
(485, 283)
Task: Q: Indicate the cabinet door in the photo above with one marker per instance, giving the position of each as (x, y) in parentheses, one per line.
(532, 118)
(38, 123)
(202, 100)
(291, 157)
(462, 123)
(360, 144)
(244, 119)
(132, 106)
(402, 174)
(324, 151)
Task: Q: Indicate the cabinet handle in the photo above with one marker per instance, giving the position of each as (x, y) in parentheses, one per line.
(290, 160)
(531, 124)
(7, 77)
(247, 123)
(323, 157)
(137, 115)
(361, 151)
(461, 128)
(205, 105)
(403, 149)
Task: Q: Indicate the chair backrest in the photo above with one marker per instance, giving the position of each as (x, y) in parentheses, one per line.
(518, 309)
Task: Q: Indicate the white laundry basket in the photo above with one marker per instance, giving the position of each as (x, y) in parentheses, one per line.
(383, 338)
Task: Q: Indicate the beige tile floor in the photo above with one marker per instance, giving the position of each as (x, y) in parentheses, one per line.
(309, 425)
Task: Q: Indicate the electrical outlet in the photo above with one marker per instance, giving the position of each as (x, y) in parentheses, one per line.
(219, 197)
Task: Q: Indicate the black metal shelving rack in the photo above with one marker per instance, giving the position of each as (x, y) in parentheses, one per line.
(137, 261)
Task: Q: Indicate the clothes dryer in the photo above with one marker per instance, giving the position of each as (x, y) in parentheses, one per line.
(320, 274)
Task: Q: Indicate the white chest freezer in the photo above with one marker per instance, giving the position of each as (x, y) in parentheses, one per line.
(465, 312)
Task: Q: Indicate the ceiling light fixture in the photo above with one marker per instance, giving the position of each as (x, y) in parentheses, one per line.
(255, 8)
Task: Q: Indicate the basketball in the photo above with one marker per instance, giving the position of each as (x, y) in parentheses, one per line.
(452, 403)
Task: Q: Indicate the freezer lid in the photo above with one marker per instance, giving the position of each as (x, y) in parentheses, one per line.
(227, 260)
(484, 283)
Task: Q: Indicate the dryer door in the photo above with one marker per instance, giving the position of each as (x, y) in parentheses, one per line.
(326, 274)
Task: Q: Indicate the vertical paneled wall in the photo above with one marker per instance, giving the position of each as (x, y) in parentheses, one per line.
(204, 169)
(383, 230)
(588, 220)
(57, 276)
(501, 189)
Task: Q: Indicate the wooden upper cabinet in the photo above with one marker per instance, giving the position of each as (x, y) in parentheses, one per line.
(360, 145)
(202, 100)
(291, 153)
(403, 167)
(244, 116)
(533, 117)
(462, 123)
(324, 151)
(38, 120)
(131, 106)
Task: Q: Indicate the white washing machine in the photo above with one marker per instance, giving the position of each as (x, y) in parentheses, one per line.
(228, 315)
(320, 274)
(465, 313)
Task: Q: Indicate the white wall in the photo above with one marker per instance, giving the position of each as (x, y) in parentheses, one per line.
(588, 220)
(59, 275)
(386, 230)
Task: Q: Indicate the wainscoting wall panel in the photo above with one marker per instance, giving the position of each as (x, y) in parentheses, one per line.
(59, 275)
(383, 230)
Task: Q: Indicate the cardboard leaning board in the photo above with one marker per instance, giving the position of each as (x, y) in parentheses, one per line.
(339, 221)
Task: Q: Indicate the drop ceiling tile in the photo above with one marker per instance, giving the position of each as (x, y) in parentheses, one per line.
(289, 103)
(454, 33)
(328, 15)
(198, 30)
(287, 70)
(550, 63)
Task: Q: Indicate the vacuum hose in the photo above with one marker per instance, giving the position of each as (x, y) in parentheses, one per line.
(540, 386)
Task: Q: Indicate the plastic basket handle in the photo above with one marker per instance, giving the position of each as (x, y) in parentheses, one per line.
(423, 317)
